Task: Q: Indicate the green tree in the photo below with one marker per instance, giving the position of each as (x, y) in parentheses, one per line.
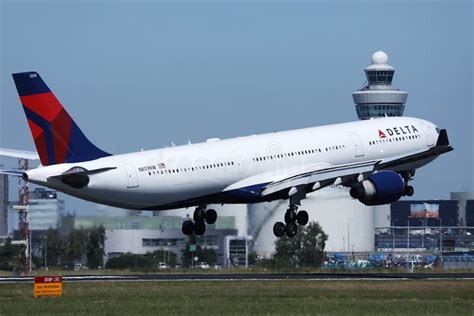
(10, 255)
(95, 248)
(168, 257)
(305, 249)
(186, 254)
(208, 255)
(54, 247)
(253, 257)
(76, 247)
(130, 261)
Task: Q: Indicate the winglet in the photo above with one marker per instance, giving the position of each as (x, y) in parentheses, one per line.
(443, 138)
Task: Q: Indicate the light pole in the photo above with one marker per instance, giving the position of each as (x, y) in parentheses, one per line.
(46, 252)
(441, 242)
(393, 237)
(408, 245)
(349, 236)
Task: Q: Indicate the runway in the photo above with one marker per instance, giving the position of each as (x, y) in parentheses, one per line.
(252, 277)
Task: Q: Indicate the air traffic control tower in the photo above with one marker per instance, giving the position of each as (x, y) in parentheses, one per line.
(378, 98)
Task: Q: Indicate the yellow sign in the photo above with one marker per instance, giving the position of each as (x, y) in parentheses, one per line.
(48, 286)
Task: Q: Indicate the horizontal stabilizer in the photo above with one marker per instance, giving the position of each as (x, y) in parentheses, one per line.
(13, 172)
(23, 154)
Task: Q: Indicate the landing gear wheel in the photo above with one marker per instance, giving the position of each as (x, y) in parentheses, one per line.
(279, 229)
(210, 216)
(199, 214)
(291, 229)
(290, 217)
(199, 228)
(409, 190)
(188, 227)
(302, 218)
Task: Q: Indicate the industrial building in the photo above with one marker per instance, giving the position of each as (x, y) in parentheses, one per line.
(46, 210)
(143, 234)
(429, 225)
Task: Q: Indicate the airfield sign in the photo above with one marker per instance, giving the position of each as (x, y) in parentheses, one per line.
(48, 286)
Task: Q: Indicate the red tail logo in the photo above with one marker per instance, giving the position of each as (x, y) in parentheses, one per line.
(57, 137)
(381, 134)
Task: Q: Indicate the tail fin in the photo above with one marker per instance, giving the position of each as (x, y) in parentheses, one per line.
(57, 137)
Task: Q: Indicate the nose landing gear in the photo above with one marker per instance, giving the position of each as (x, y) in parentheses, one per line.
(201, 216)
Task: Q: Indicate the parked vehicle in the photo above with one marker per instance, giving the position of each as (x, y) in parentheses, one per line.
(163, 265)
(204, 265)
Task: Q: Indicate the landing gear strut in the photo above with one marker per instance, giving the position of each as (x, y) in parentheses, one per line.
(201, 216)
(292, 218)
(407, 176)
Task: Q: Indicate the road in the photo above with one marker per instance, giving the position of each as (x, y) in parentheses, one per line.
(251, 277)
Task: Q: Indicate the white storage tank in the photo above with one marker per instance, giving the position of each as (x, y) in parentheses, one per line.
(348, 223)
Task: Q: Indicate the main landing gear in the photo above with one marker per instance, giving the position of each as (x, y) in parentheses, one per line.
(292, 218)
(201, 216)
(408, 189)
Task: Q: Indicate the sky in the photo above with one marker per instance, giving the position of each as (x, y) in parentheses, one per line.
(143, 74)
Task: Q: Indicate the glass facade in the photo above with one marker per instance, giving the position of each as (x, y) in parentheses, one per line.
(156, 242)
(380, 77)
(238, 252)
(366, 111)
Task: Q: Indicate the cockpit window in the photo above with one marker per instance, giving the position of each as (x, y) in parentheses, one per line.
(437, 130)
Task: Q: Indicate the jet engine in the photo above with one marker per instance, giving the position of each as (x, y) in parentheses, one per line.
(380, 188)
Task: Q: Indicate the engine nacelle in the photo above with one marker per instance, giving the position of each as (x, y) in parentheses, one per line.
(380, 188)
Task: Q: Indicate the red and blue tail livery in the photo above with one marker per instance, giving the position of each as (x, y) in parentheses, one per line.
(57, 137)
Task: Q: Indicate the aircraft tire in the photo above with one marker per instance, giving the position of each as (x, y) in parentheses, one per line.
(211, 216)
(199, 215)
(302, 218)
(199, 228)
(188, 227)
(279, 229)
(291, 230)
(290, 217)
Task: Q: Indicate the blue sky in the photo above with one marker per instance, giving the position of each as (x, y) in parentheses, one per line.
(143, 74)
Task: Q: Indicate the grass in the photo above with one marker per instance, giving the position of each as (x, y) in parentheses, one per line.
(247, 297)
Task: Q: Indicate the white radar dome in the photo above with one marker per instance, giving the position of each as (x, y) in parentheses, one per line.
(379, 58)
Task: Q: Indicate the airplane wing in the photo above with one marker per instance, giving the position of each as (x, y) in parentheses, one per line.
(31, 155)
(315, 177)
(319, 178)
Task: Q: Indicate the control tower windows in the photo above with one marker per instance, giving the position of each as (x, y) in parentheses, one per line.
(380, 77)
(379, 110)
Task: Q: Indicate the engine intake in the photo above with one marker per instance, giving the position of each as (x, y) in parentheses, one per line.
(75, 177)
(380, 188)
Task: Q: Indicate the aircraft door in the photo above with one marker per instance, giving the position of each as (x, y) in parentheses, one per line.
(132, 178)
(358, 148)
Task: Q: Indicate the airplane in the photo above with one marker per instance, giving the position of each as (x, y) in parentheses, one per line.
(375, 158)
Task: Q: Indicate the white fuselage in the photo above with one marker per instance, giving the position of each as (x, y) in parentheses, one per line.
(179, 176)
